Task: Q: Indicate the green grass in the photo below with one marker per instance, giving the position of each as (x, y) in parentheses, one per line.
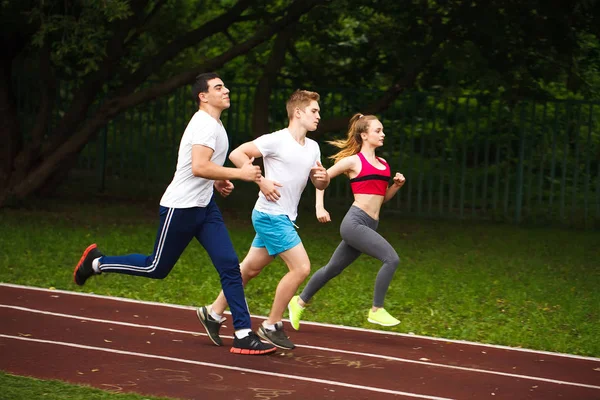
(18, 387)
(494, 283)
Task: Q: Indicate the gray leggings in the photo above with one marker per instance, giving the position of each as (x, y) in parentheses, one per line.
(358, 236)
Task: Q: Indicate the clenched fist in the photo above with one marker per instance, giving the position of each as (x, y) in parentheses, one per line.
(399, 179)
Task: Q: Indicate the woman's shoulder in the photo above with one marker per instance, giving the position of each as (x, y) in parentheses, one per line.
(352, 157)
(351, 162)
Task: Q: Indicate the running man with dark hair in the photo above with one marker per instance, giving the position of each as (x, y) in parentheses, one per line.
(188, 210)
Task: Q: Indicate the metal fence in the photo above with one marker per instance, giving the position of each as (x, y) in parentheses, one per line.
(480, 157)
(463, 156)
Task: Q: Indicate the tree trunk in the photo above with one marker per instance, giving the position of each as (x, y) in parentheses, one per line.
(9, 127)
(74, 131)
(10, 133)
(264, 88)
(58, 177)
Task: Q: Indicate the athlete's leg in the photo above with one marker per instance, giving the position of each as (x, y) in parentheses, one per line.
(342, 257)
(176, 230)
(256, 259)
(215, 239)
(362, 236)
(298, 264)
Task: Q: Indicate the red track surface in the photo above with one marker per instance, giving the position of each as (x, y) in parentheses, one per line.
(121, 345)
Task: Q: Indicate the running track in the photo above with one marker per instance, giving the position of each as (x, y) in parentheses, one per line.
(122, 345)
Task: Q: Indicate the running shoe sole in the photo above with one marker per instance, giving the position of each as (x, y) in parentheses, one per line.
(379, 323)
(80, 263)
(235, 350)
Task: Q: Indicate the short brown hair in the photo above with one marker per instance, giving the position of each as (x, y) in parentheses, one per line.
(300, 99)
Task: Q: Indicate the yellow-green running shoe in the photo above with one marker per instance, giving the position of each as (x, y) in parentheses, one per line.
(295, 310)
(382, 317)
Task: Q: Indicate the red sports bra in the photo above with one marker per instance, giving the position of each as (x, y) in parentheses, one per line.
(371, 180)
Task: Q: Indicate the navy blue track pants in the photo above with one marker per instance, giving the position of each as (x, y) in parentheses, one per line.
(178, 226)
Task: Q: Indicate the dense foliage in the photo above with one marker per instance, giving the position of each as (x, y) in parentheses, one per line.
(72, 66)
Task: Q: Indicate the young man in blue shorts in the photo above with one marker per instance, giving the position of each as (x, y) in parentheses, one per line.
(188, 210)
(290, 159)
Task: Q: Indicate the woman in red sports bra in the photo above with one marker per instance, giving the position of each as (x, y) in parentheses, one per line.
(369, 176)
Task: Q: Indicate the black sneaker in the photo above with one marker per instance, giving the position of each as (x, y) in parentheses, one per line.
(251, 345)
(276, 337)
(211, 325)
(84, 268)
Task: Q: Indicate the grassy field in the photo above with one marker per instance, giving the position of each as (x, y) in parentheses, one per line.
(528, 287)
(24, 388)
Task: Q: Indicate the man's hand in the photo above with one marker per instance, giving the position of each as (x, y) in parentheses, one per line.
(318, 172)
(399, 180)
(250, 173)
(224, 187)
(269, 189)
(323, 215)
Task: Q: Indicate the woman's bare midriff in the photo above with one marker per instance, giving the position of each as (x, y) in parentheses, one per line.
(369, 203)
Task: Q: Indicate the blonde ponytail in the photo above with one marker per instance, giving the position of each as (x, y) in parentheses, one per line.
(350, 146)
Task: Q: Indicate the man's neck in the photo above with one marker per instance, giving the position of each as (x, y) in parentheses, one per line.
(212, 111)
(297, 132)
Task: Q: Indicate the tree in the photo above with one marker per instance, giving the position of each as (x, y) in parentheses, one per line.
(106, 51)
(515, 49)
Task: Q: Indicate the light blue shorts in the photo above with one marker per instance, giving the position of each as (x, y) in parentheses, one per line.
(274, 232)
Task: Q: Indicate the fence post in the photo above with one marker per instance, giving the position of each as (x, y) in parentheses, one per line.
(520, 167)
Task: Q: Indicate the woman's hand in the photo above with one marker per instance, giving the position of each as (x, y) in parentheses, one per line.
(399, 180)
(323, 215)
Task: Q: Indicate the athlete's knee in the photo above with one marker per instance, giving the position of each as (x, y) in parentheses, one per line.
(306, 272)
(249, 273)
(330, 271)
(225, 264)
(160, 274)
(303, 270)
(252, 266)
(161, 271)
(229, 271)
(393, 261)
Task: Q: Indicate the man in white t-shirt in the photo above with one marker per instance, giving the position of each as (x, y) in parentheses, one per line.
(188, 210)
(290, 160)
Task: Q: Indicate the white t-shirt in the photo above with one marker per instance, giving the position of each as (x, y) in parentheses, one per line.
(187, 190)
(287, 162)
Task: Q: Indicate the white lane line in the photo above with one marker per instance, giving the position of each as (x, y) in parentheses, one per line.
(351, 328)
(244, 370)
(326, 349)
(105, 321)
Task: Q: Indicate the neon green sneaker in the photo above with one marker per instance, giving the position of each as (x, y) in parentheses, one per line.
(382, 317)
(295, 310)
